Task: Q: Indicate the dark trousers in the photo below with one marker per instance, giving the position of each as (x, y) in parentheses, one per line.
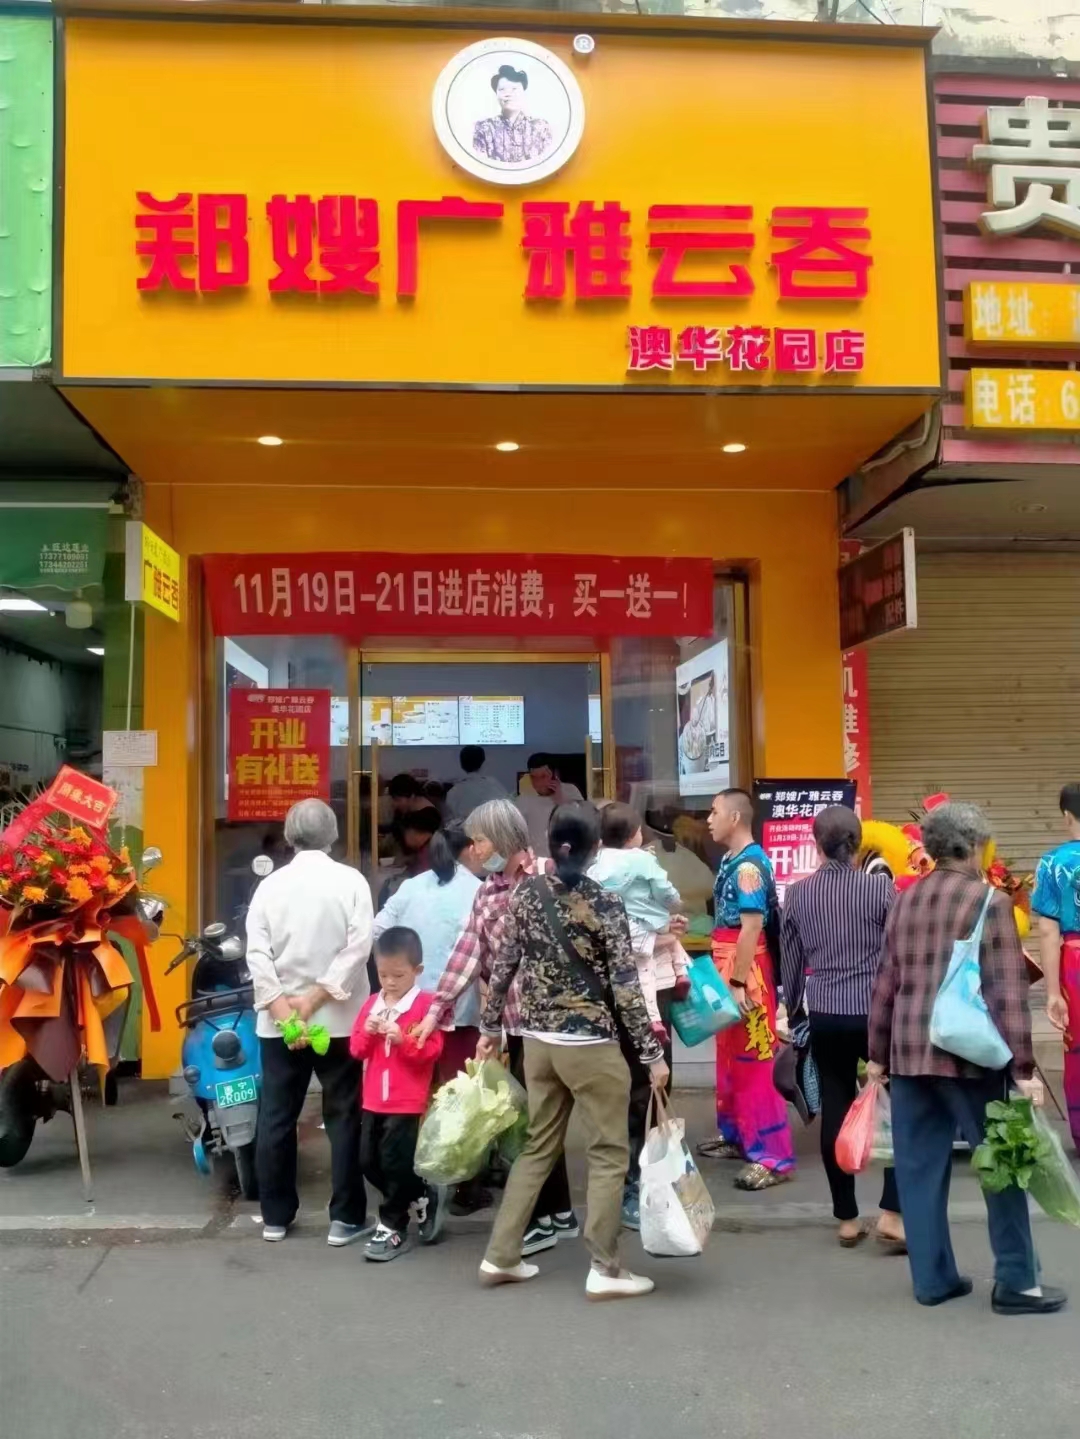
(838, 1042)
(926, 1112)
(554, 1196)
(387, 1152)
(641, 1086)
(286, 1074)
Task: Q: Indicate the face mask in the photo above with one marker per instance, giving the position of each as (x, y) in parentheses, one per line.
(494, 864)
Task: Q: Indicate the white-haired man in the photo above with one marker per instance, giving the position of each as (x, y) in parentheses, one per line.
(308, 939)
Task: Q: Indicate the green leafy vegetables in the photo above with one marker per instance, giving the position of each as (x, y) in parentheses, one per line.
(1022, 1148)
(467, 1116)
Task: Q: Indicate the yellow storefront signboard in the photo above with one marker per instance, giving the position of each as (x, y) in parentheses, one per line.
(152, 571)
(439, 207)
(1023, 400)
(1007, 313)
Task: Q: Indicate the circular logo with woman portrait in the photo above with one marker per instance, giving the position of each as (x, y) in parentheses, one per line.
(508, 111)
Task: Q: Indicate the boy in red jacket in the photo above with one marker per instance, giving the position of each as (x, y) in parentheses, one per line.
(397, 1082)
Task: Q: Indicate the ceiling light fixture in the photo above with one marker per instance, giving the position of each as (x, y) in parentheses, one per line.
(507, 447)
(733, 449)
(94, 650)
(19, 604)
(1031, 509)
(270, 441)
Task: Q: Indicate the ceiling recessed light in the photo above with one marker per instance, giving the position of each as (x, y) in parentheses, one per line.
(733, 449)
(17, 604)
(1031, 509)
(94, 650)
(508, 446)
(272, 441)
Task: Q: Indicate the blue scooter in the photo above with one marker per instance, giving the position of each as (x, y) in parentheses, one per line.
(220, 1056)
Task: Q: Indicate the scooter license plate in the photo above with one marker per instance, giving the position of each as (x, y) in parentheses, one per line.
(235, 1091)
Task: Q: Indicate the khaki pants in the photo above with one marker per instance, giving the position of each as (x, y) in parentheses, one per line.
(558, 1077)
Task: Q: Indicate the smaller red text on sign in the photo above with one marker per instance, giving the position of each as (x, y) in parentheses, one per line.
(746, 349)
(279, 751)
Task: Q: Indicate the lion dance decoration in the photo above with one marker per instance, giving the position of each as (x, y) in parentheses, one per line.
(897, 850)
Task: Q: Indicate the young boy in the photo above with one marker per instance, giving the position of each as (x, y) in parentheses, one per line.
(397, 1081)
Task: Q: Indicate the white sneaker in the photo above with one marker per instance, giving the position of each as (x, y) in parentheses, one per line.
(491, 1274)
(275, 1233)
(623, 1285)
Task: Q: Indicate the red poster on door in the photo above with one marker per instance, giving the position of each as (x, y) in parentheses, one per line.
(279, 751)
(354, 595)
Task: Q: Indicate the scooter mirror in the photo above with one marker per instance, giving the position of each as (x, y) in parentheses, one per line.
(151, 858)
(262, 865)
(232, 948)
(214, 931)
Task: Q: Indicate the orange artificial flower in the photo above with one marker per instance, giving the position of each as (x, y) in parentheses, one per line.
(102, 863)
(113, 885)
(79, 869)
(78, 835)
(33, 894)
(78, 890)
(125, 855)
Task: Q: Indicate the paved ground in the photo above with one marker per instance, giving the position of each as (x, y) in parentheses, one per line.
(768, 1334)
(144, 1177)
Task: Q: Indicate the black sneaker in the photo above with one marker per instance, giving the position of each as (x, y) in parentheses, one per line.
(469, 1197)
(1008, 1301)
(431, 1213)
(386, 1244)
(542, 1235)
(566, 1225)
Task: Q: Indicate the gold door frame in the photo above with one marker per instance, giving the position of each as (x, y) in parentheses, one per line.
(358, 656)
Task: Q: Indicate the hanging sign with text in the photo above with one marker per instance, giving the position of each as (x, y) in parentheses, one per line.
(877, 591)
(785, 810)
(353, 595)
(279, 751)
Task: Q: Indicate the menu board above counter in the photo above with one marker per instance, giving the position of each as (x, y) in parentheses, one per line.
(492, 719)
(425, 719)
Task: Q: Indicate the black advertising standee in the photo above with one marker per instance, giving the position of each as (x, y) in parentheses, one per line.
(877, 591)
(784, 813)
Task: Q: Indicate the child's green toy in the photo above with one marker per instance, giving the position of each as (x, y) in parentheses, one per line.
(294, 1029)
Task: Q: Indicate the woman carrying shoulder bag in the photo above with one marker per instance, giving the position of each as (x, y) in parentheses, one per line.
(568, 943)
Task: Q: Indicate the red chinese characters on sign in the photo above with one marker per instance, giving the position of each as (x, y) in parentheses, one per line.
(84, 799)
(745, 348)
(279, 751)
(330, 244)
(354, 595)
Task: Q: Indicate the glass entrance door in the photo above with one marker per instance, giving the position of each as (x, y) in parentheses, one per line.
(412, 714)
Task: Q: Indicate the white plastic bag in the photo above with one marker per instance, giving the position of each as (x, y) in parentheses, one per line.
(676, 1208)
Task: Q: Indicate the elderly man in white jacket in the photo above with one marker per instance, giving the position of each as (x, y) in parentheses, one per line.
(308, 939)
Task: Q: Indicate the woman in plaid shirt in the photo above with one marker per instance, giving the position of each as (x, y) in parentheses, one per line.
(934, 1092)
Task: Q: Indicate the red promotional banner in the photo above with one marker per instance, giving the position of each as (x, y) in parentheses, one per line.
(785, 810)
(857, 729)
(279, 751)
(353, 595)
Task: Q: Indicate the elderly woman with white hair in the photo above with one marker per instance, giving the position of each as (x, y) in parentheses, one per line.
(308, 939)
(500, 838)
(934, 1092)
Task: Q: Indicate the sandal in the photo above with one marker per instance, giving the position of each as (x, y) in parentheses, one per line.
(889, 1245)
(850, 1241)
(719, 1148)
(755, 1177)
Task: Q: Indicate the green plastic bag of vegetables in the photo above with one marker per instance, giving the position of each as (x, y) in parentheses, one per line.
(1022, 1148)
(467, 1116)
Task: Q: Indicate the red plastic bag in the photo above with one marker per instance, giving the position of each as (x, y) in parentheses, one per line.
(855, 1142)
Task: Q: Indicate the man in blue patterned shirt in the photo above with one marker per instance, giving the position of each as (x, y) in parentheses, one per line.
(751, 1117)
(1056, 901)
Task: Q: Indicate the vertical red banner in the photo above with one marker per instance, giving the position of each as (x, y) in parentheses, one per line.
(279, 751)
(856, 696)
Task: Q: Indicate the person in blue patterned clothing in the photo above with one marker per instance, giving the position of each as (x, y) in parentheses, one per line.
(751, 1116)
(1056, 901)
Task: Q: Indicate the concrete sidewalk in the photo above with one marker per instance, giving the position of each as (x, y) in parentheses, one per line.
(146, 1184)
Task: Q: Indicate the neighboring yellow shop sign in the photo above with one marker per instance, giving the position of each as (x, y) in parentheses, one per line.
(152, 571)
(1023, 400)
(1003, 312)
(383, 204)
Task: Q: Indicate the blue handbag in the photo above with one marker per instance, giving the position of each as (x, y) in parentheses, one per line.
(960, 1022)
(709, 1007)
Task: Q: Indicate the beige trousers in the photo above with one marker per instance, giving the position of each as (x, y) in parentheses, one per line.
(558, 1077)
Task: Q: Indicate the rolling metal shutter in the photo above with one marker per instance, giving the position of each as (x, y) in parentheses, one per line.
(983, 699)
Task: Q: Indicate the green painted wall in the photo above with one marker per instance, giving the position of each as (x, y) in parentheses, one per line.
(26, 186)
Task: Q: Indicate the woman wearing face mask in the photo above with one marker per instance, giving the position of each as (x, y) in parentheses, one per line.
(500, 840)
